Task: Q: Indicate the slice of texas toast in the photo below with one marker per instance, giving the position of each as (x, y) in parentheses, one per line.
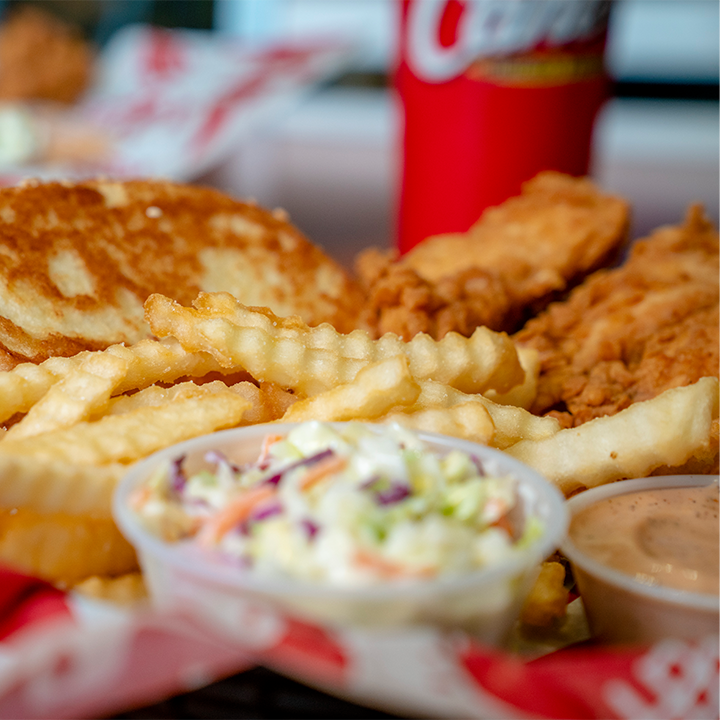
(77, 261)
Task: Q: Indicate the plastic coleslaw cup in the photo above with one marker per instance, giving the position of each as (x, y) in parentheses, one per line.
(484, 602)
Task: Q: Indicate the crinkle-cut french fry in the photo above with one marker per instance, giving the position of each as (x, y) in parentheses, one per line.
(269, 401)
(522, 395)
(512, 424)
(130, 436)
(375, 390)
(24, 385)
(127, 589)
(312, 360)
(149, 361)
(84, 391)
(664, 431)
(46, 485)
(469, 421)
(157, 395)
(276, 399)
(152, 361)
(546, 604)
(63, 549)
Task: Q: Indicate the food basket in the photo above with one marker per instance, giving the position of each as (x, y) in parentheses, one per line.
(64, 656)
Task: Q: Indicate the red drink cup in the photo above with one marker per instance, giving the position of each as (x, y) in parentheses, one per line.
(493, 92)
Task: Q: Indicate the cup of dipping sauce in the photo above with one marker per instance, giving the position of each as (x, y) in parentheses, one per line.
(645, 556)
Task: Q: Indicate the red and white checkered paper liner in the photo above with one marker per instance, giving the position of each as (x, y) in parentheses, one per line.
(64, 656)
(178, 102)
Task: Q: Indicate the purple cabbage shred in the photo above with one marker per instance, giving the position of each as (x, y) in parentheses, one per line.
(367, 484)
(262, 513)
(267, 511)
(395, 493)
(311, 528)
(218, 458)
(312, 460)
(478, 465)
(176, 475)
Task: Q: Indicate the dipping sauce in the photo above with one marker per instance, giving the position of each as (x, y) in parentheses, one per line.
(667, 536)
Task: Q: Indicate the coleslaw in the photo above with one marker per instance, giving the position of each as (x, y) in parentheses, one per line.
(342, 505)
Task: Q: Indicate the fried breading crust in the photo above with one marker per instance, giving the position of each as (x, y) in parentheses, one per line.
(628, 334)
(401, 302)
(516, 259)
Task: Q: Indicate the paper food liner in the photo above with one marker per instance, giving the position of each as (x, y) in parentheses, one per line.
(175, 103)
(62, 655)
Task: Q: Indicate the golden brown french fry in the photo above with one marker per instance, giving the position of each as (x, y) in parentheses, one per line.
(127, 589)
(522, 395)
(24, 385)
(84, 391)
(469, 421)
(269, 401)
(47, 485)
(511, 423)
(63, 549)
(165, 361)
(375, 390)
(664, 431)
(311, 360)
(157, 395)
(130, 436)
(546, 603)
(149, 361)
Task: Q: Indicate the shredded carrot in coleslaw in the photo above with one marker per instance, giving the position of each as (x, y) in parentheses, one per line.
(388, 569)
(268, 440)
(322, 470)
(235, 512)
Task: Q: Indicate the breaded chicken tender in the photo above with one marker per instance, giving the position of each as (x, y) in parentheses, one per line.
(629, 333)
(400, 301)
(515, 259)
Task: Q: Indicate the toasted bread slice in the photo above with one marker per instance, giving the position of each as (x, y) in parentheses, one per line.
(77, 261)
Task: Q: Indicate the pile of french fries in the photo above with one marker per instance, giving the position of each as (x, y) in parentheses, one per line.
(74, 425)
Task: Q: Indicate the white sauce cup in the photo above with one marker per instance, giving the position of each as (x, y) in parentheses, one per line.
(623, 610)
